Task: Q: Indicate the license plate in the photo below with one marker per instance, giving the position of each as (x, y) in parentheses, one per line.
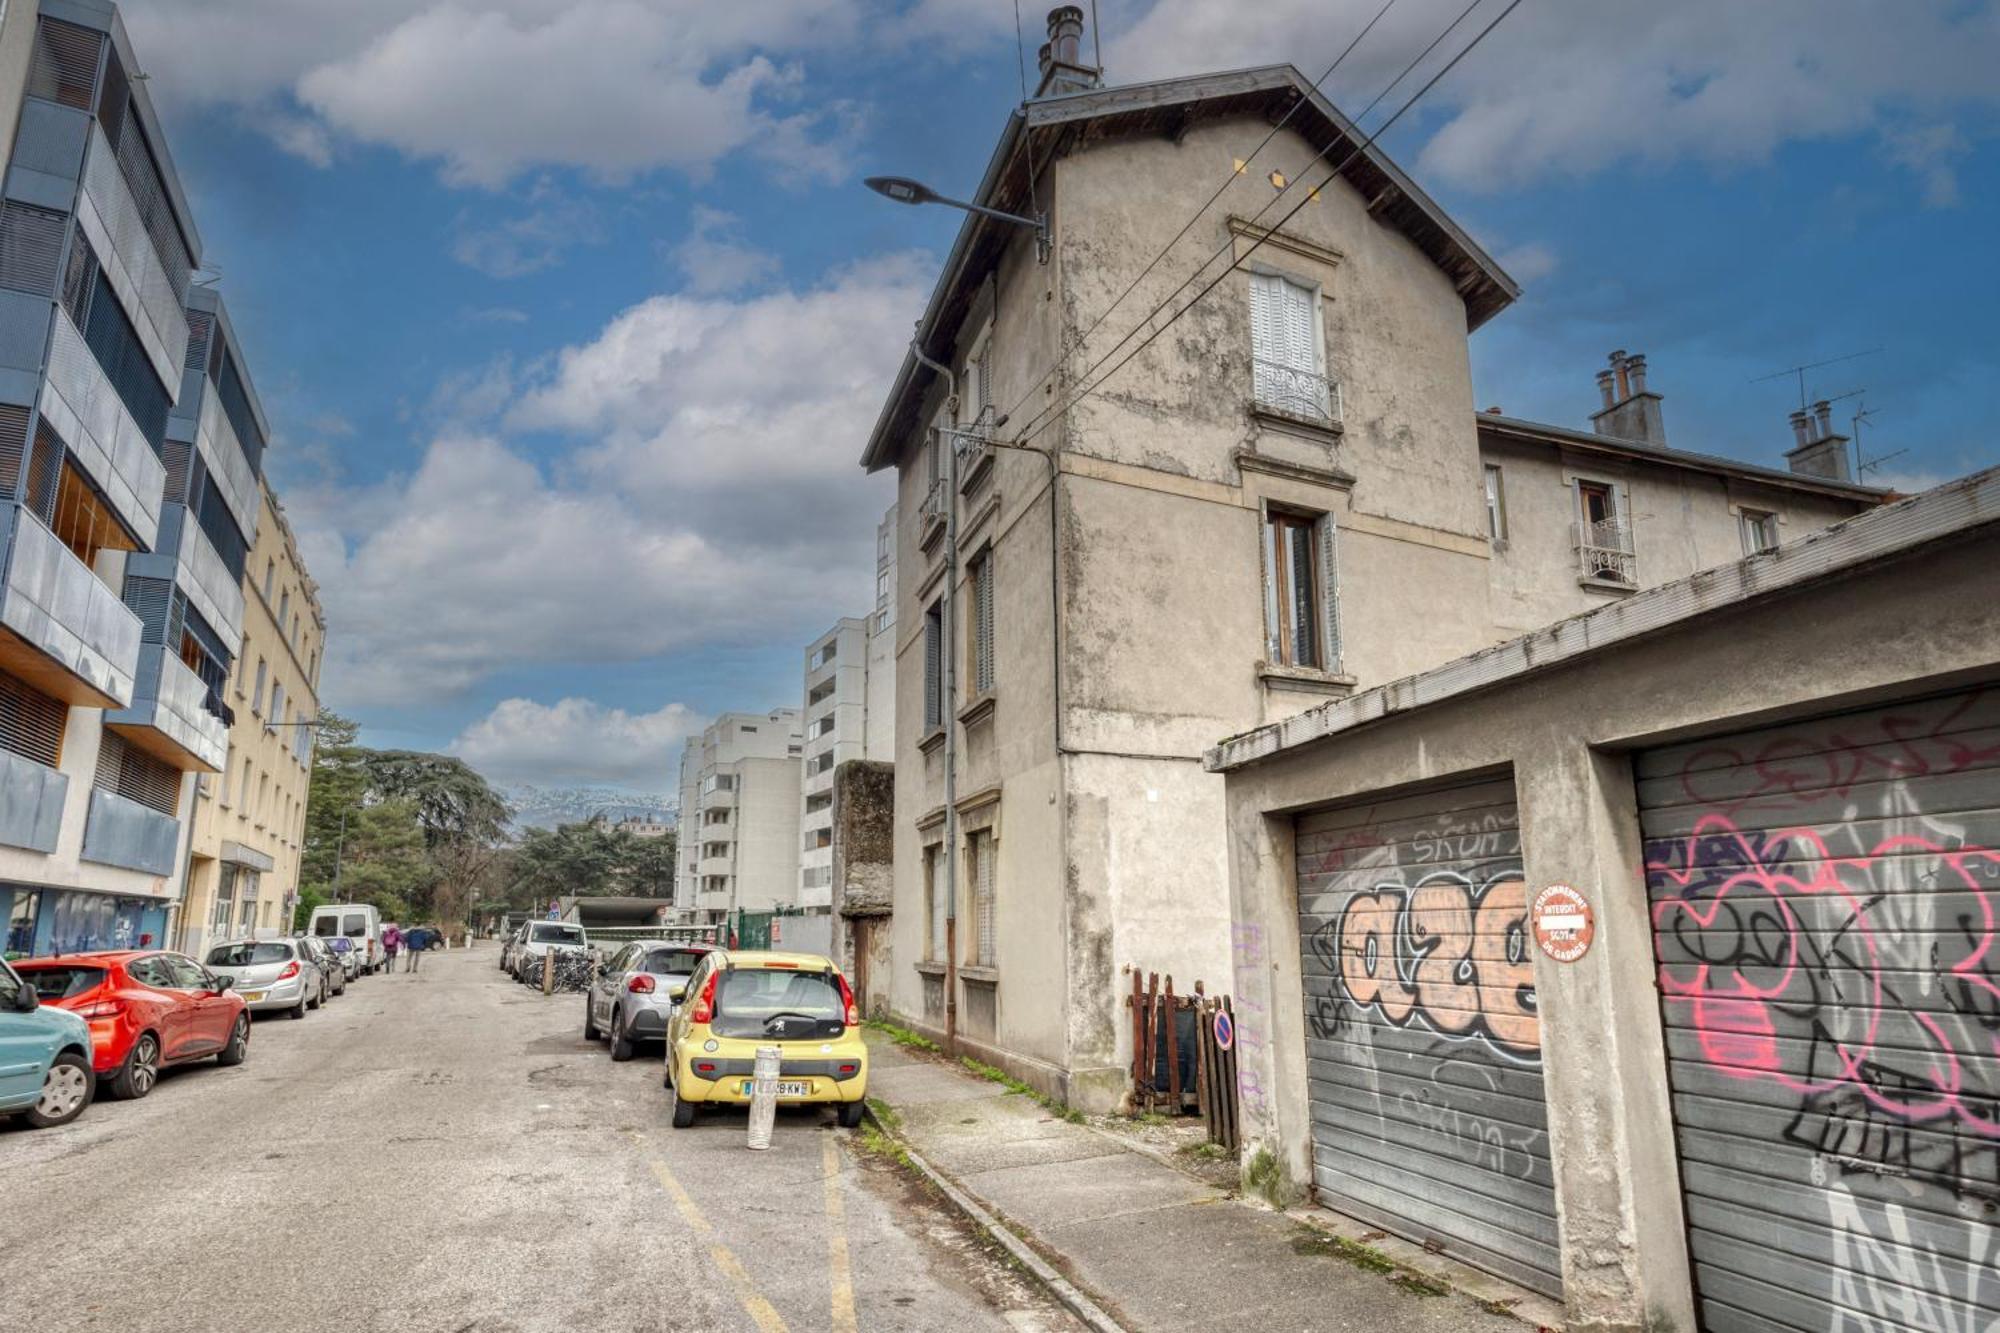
(787, 1087)
(251, 997)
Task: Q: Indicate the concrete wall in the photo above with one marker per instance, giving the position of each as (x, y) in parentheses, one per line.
(1893, 630)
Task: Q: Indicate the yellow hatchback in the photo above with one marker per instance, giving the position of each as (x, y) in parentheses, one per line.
(736, 1002)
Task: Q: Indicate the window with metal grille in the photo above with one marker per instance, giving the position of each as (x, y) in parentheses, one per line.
(982, 847)
(982, 623)
(31, 242)
(219, 525)
(934, 667)
(235, 400)
(126, 770)
(31, 723)
(13, 447)
(115, 343)
(64, 68)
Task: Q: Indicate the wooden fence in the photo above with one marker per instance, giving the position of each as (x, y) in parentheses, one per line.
(1184, 1055)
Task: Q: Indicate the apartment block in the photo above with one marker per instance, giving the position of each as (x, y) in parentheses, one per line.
(249, 823)
(127, 494)
(739, 815)
(1288, 498)
(848, 715)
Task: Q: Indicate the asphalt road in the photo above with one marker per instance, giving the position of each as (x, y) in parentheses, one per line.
(445, 1152)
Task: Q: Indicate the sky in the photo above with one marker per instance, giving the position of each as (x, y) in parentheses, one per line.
(572, 316)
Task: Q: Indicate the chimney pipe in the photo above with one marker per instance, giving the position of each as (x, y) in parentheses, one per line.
(1066, 34)
(1823, 411)
(1801, 429)
(1604, 388)
(1635, 370)
(1618, 368)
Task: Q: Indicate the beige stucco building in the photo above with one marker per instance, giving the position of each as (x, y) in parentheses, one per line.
(1286, 497)
(249, 821)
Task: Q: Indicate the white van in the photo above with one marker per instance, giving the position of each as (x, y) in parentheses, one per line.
(359, 922)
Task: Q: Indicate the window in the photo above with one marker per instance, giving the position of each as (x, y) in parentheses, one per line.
(935, 898)
(1496, 506)
(819, 801)
(818, 838)
(747, 729)
(820, 763)
(982, 850)
(284, 608)
(824, 725)
(1301, 588)
(934, 667)
(1760, 530)
(127, 771)
(277, 706)
(257, 695)
(975, 390)
(982, 622)
(825, 654)
(83, 522)
(1289, 367)
(1604, 537)
(270, 575)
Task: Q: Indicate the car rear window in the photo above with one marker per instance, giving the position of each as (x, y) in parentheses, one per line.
(249, 955)
(671, 962)
(340, 945)
(781, 1003)
(553, 934)
(61, 982)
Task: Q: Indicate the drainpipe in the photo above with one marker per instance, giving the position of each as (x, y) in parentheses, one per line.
(949, 704)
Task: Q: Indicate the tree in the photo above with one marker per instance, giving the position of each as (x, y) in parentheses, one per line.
(648, 867)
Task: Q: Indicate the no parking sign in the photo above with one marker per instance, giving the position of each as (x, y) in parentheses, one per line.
(1225, 1029)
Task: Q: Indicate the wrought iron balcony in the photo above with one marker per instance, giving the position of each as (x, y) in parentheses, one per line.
(1304, 394)
(973, 446)
(1604, 551)
(931, 515)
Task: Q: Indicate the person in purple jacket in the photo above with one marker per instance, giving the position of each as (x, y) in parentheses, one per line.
(392, 940)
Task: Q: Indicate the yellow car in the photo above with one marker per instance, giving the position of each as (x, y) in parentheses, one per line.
(736, 1002)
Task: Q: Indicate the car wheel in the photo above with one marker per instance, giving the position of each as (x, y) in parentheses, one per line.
(683, 1112)
(621, 1040)
(239, 1043)
(141, 1070)
(591, 1032)
(850, 1114)
(298, 1010)
(66, 1088)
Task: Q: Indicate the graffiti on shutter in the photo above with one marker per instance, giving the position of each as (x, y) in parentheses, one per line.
(1423, 1034)
(1826, 915)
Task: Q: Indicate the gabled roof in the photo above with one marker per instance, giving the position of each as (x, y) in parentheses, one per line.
(1538, 432)
(1048, 125)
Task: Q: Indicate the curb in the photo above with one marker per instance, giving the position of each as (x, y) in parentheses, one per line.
(1059, 1286)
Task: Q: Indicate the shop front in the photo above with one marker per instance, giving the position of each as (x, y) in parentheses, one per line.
(41, 921)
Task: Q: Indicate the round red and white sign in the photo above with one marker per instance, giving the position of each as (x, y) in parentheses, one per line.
(1564, 924)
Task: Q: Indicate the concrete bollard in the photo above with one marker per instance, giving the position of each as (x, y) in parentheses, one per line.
(764, 1096)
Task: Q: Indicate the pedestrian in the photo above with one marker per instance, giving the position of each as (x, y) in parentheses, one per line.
(414, 945)
(392, 940)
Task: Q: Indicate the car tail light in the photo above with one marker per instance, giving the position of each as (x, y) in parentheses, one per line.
(102, 1009)
(291, 970)
(850, 1069)
(640, 985)
(704, 1067)
(847, 1001)
(704, 1006)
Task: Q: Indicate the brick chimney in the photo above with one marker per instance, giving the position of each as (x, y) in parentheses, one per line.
(1631, 411)
(1818, 450)
(1063, 70)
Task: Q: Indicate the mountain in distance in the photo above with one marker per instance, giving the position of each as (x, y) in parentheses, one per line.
(546, 807)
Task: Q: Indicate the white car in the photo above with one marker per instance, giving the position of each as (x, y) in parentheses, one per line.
(538, 939)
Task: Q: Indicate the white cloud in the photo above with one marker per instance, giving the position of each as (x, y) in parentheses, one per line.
(1567, 87)
(714, 260)
(1930, 152)
(1528, 263)
(552, 225)
(577, 741)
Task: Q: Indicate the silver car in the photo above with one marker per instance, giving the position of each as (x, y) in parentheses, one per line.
(271, 974)
(635, 993)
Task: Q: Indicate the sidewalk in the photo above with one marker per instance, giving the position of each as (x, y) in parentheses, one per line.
(1155, 1248)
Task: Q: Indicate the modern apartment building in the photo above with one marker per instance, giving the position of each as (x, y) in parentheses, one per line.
(1286, 498)
(739, 815)
(129, 454)
(249, 825)
(848, 715)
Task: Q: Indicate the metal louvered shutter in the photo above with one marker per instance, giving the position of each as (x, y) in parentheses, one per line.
(64, 68)
(1329, 589)
(13, 447)
(31, 723)
(31, 241)
(201, 326)
(178, 455)
(128, 771)
(933, 669)
(150, 600)
(982, 619)
(79, 280)
(1423, 1038)
(983, 868)
(1826, 921)
(45, 472)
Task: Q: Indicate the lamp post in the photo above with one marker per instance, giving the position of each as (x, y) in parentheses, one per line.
(903, 190)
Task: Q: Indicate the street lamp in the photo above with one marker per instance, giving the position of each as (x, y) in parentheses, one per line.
(903, 190)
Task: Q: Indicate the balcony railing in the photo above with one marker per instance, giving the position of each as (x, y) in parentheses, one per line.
(119, 831)
(1604, 551)
(55, 604)
(170, 717)
(1296, 393)
(931, 517)
(972, 447)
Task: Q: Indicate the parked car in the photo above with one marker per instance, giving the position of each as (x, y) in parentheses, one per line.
(271, 974)
(352, 960)
(359, 922)
(635, 992)
(737, 1002)
(45, 1058)
(538, 939)
(331, 965)
(146, 1010)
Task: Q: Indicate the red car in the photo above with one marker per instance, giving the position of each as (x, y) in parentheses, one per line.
(147, 1009)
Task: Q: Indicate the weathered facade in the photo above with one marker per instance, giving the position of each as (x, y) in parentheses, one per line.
(1282, 500)
(1761, 1094)
(864, 843)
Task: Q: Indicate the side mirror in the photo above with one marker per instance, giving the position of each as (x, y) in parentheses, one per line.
(221, 984)
(677, 993)
(25, 999)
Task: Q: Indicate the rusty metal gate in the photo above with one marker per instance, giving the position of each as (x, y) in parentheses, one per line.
(1826, 916)
(1423, 1038)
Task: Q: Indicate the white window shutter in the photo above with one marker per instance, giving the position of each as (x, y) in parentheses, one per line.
(1329, 583)
(982, 612)
(1270, 600)
(933, 672)
(1301, 338)
(985, 871)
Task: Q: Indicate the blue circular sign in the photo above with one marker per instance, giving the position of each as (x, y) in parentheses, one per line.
(1225, 1029)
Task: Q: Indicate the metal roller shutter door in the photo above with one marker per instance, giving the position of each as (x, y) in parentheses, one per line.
(1825, 910)
(1423, 1038)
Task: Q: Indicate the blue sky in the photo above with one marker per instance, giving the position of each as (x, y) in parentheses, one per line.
(571, 315)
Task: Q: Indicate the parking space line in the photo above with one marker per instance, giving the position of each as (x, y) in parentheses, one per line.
(840, 1275)
(760, 1310)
